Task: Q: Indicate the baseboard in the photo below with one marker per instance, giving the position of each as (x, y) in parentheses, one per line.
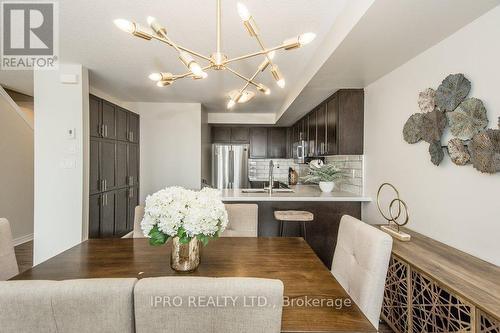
(23, 239)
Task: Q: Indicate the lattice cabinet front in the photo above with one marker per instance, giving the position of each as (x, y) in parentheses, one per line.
(486, 323)
(396, 295)
(434, 309)
(415, 303)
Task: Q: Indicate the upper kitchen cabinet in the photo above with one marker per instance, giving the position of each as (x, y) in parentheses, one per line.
(332, 113)
(350, 122)
(240, 135)
(321, 130)
(276, 142)
(221, 134)
(335, 127)
(230, 135)
(122, 130)
(312, 131)
(133, 127)
(258, 142)
(108, 120)
(95, 116)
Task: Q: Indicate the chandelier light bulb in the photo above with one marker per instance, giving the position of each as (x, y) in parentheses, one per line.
(151, 20)
(246, 96)
(195, 68)
(155, 76)
(243, 12)
(263, 89)
(230, 104)
(281, 83)
(125, 25)
(306, 38)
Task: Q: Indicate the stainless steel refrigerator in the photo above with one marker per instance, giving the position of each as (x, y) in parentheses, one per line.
(230, 166)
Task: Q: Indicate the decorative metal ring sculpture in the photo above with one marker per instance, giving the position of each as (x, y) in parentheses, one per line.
(401, 206)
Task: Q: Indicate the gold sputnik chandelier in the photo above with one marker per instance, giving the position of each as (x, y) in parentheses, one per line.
(218, 60)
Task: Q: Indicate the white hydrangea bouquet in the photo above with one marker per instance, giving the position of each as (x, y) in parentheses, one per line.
(177, 212)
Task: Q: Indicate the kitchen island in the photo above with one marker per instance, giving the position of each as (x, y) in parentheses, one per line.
(328, 208)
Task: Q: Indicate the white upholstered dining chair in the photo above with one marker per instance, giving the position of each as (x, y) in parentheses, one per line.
(183, 305)
(8, 262)
(138, 216)
(243, 220)
(360, 264)
(88, 305)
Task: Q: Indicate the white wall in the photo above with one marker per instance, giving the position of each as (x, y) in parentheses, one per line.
(455, 205)
(61, 190)
(16, 169)
(170, 145)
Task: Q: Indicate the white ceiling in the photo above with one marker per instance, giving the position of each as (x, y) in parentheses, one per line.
(119, 63)
(378, 36)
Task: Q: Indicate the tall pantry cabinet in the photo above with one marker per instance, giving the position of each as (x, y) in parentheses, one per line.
(114, 169)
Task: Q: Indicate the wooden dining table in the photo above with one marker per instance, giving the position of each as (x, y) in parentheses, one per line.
(313, 300)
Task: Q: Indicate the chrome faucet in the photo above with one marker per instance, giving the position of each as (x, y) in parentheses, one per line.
(271, 176)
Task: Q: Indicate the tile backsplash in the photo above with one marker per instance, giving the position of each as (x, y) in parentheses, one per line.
(352, 165)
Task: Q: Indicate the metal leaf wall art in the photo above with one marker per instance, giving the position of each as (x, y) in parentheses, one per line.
(452, 92)
(427, 100)
(433, 125)
(467, 118)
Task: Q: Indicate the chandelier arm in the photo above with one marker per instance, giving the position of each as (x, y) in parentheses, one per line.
(251, 80)
(255, 54)
(242, 77)
(170, 43)
(181, 76)
(263, 49)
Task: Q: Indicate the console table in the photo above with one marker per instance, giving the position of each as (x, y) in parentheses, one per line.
(432, 287)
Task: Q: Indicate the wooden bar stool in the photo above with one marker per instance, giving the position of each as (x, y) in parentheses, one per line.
(293, 216)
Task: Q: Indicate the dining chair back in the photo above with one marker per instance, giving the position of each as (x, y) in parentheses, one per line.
(8, 262)
(243, 220)
(90, 305)
(360, 264)
(137, 231)
(208, 305)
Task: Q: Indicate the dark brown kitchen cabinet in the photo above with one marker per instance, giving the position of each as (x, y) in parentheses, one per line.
(107, 158)
(108, 120)
(121, 212)
(321, 130)
(114, 168)
(258, 142)
(351, 122)
(94, 176)
(107, 215)
(94, 215)
(133, 201)
(122, 129)
(289, 142)
(240, 134)
(332, 112)
(312, 131)
(335, 127)
(133, 127)
(276, 142)
(121, 169)
(95, 116)
(133, 164)
(221, 134)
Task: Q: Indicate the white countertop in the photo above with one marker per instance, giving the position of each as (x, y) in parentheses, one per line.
(301, 193)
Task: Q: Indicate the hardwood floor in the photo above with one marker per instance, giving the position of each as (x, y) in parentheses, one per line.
(24, 255)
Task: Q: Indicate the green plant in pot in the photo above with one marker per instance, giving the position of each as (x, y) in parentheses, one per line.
(323, 175)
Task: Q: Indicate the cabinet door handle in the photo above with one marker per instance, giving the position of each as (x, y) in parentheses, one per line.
(131, 180)
(105, 184)
(106, 128)
(102, 185)
(103, 134)
(131, 193)
(132, 136)
(106, 199)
